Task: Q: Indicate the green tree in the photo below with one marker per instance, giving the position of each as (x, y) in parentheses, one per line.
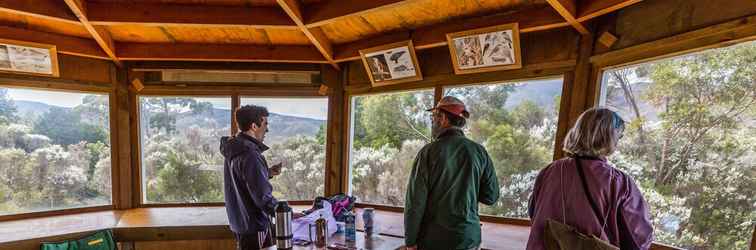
(690, 144)
(65, 127)
(7, 108)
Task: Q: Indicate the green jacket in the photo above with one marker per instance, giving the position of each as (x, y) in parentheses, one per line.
(449, 177)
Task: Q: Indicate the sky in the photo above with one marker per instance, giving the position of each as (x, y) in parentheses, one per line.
(315, 108)
(55, 98)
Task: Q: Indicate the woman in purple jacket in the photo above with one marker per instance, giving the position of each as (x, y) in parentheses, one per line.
(621, 216)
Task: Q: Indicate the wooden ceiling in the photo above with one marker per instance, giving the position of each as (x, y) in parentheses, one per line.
(294, 31)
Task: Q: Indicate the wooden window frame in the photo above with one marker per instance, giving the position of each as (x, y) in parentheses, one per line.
(439, 89)
(708, 38)
(60, 86)
(235, 93)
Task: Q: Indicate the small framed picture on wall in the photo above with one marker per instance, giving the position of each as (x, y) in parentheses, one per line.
(485, 49)
(391, 64)
(28, 58)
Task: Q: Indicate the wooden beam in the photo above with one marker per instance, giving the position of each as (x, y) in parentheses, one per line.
(723, 34)
(102, 36)
(568, 10)
(187, 15)
(64, 44)
(48, 9)
(316, 35)
(530, 20)
(218, 52)
(226, 66)
(326, 12)
(595, 8)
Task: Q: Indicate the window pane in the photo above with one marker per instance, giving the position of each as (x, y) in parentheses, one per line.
(297, 138)
(690, 143)
(516, 123)
(387, 132)
(180, 137)
(54, 150)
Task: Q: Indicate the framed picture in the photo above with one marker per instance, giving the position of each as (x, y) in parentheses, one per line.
(28, 58)
(391, 64)
(485, 49)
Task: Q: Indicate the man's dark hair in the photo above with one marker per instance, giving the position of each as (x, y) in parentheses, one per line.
(454, 120)
(248, 114)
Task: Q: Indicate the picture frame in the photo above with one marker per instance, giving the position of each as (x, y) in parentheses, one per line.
(19, 57)
(486, 49)
(391, 63)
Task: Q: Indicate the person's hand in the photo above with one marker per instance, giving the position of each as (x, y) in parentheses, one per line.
(411, 247)
(297, 215)
(275, 169)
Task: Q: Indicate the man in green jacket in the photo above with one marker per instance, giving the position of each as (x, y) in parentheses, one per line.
(449, 177)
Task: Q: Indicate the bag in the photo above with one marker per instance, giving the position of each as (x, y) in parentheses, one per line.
(102, 240)
(560, 236)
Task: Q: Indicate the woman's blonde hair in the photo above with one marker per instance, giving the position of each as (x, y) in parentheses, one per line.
(595, 133)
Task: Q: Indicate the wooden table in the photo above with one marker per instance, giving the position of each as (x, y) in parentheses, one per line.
(381, 242)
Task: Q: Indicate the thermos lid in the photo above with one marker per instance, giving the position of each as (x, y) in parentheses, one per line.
(283, 207)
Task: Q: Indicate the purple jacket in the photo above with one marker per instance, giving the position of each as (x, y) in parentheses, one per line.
(247, 191)
(628, 223)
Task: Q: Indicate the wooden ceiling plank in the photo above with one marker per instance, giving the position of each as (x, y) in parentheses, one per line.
(100, 35)
(530, 20)
(568, 10)
(187, 15)
(595, 8)
(316, 35)
(64, 44)
(48, 9)
(218, 52)
(326, 12)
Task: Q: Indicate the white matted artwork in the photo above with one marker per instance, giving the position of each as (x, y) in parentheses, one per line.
(391, 63)
(486, 49)
(28, 58)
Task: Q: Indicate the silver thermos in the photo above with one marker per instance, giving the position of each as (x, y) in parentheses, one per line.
(284, 234)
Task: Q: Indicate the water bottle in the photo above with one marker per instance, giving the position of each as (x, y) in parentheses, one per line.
(350, 228)
(367, 217)
(321, 232)
(284, 234)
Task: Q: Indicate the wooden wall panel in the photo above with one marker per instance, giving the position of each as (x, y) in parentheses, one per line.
(656, 19)
(540, 50)
(85, 69)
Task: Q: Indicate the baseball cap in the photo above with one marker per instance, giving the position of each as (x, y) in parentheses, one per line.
(452, 105)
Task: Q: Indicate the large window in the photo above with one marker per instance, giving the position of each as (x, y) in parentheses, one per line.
(297, 139)
(516, 123)
(180, 137)
(54, 150)
(691, 143)
(387, 132)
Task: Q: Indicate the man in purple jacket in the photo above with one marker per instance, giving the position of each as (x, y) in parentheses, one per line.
(619, 214)
(249, 201)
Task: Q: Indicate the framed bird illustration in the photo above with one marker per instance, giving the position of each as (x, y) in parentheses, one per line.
(485, 49)
(391, 63)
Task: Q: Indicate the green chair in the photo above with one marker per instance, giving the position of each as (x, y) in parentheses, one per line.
(102, 240)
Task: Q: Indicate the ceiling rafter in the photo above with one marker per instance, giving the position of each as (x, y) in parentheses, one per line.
(316, 35)
(188, 15)
(329, 11)
(100, 35)
(568, 10)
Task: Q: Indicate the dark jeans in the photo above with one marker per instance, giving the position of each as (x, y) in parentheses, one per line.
(253, 241)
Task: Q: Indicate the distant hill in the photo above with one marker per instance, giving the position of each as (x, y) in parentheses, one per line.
(24, 108)
(280, 125)
(541, 93)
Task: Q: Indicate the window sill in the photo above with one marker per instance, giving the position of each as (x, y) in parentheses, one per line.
(199, 223)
